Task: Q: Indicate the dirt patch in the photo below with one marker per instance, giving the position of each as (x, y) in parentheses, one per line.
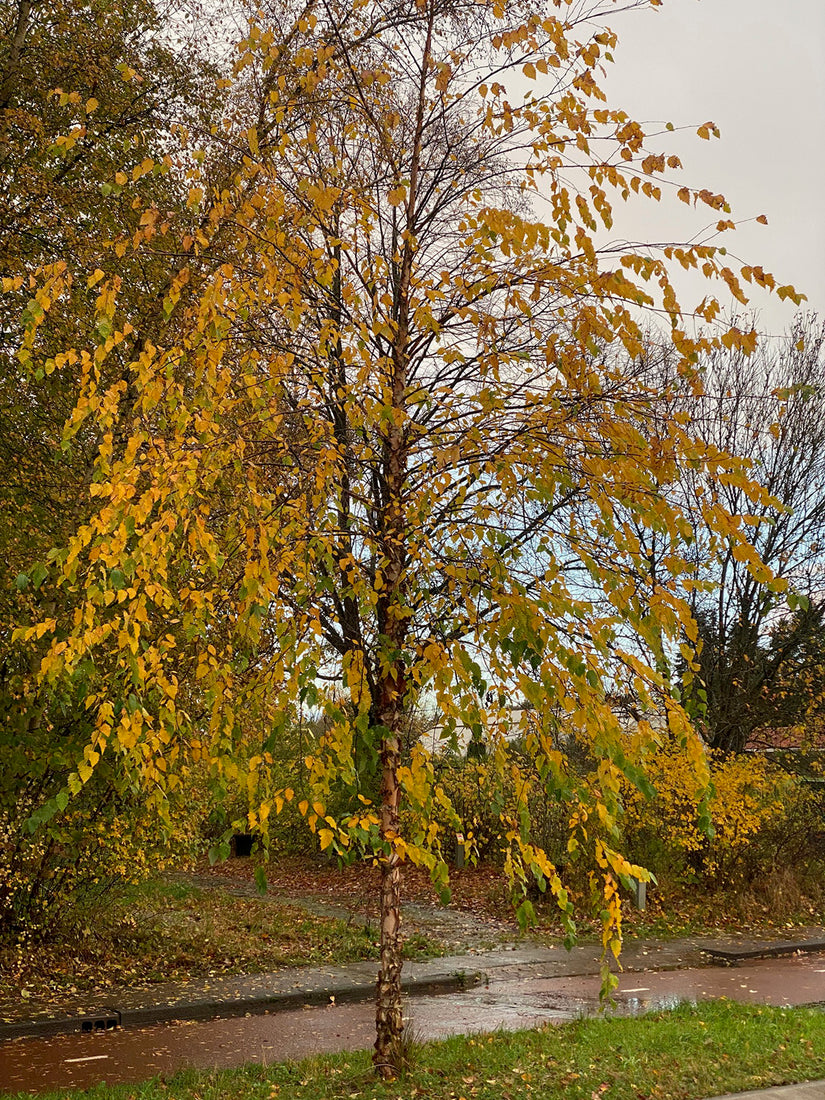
(479, 890)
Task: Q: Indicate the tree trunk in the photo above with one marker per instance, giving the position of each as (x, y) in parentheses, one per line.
(389, 1021)
(392, 622)
(392, 685)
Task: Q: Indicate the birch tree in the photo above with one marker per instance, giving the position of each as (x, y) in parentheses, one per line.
(381, 437)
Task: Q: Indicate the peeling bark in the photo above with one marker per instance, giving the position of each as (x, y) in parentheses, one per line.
(389, 1020)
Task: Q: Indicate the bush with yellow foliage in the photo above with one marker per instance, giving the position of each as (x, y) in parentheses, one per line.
(748, 796)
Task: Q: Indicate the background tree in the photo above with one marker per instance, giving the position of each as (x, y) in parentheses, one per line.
(370, 448)
(89, 96)
(794, 694)
(768, 409)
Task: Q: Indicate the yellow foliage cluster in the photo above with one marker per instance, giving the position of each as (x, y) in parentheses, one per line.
(102, 840)
(479, 794)
(747, 793)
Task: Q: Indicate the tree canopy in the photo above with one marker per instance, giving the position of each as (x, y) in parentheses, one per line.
(383, 435)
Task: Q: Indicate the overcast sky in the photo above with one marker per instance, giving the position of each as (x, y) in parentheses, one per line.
(757, 69)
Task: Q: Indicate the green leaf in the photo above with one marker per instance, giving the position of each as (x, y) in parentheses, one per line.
(797, 601)
(526, 915)
(260, 881)
(39, 574)
(440, 879)
(219, 852)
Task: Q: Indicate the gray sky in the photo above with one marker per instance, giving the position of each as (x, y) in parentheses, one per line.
(757, 69)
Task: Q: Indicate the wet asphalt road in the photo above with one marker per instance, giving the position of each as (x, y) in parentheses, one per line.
(131, 1055)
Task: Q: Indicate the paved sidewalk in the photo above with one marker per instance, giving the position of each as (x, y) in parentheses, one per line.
(294, 987)
(811, 1090)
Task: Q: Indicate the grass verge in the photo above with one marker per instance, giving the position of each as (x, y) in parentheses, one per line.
(689, 1053)
(168, 931)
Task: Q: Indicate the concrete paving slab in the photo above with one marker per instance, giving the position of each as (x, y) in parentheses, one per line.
(811, 1090)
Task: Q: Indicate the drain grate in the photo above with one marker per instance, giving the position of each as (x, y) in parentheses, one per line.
(107, 1021)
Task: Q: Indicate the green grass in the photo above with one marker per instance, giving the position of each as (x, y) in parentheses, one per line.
(687, 1054)
(170, 931)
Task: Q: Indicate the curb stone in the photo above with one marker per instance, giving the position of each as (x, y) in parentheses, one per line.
(768, 950)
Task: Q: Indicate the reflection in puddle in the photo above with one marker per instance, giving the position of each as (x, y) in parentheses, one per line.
(638, 1006)
(509, 1007)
